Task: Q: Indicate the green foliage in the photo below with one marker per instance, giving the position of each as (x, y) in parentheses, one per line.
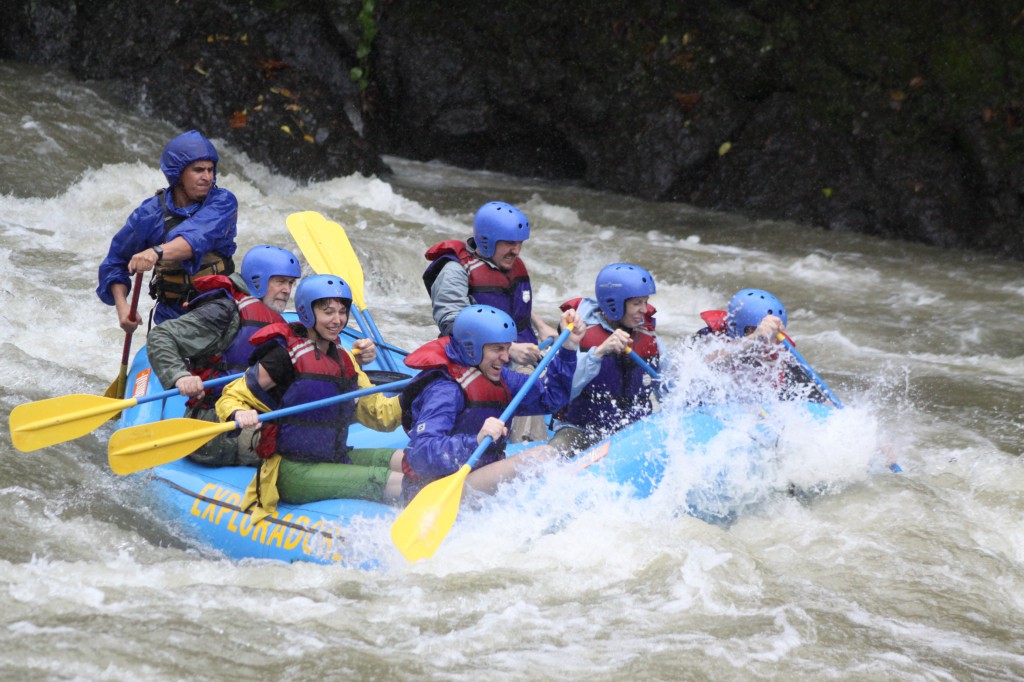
(969, 66)
(360, 74)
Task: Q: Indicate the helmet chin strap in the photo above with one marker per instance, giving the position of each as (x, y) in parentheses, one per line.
(618, 324)
(317, 338)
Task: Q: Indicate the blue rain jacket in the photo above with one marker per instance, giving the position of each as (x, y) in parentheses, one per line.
(207, 226)
(437, 449)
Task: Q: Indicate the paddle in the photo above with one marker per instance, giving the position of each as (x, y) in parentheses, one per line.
(820, 383)
(422, 526)
(394, 349)
(116, 389)
(149, 445)
(643, 364)
(329, 252)
(57, 420)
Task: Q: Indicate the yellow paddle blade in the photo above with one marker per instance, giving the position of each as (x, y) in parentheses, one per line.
(149, 445)
(57, 420)
(116, 389)
(311, 232)
(327, 250)
(423, 525)
(346, 258)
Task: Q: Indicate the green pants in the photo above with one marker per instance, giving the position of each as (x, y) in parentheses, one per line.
(364, 479)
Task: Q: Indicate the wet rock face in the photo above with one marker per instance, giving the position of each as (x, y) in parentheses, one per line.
(274, 83)
(895, 119)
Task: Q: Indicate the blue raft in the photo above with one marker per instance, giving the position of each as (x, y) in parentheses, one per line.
(207, 499)
(639, 456)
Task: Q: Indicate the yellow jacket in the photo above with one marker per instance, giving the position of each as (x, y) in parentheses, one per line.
(376, 411)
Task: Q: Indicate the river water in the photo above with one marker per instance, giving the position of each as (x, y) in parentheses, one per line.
(918, 575)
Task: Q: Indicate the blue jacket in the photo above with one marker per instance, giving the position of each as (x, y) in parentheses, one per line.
(436, 448)
(207, 226)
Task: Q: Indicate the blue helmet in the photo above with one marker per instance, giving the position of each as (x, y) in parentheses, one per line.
(184, 150)
(263, 262)
(497, 221)
(314, 288)
(748, 307)
(477, 325)
(616, 283)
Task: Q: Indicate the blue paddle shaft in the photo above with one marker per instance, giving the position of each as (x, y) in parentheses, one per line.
(370, 330)
(644, 365)
(212, 383)
(810, 372)
(379, 340)
(519, 396)
(324, 402)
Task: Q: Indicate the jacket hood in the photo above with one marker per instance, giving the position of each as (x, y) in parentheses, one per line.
(590, 311)
(457, 354)
(183, 150)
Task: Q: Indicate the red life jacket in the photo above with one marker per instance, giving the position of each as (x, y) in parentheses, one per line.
(715, 319)
(483, 397)
(488, 285)
(253, 314)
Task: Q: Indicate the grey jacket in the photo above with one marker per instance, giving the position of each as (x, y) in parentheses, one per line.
(175, 345)
(449, 295)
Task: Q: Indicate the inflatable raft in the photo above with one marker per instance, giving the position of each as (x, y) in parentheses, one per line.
(730, 452)
(637, 458)
(206, 499)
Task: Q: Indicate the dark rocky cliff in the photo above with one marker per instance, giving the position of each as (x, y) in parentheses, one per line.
(895, 119)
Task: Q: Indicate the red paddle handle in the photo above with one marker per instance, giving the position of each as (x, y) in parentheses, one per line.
(133, 314)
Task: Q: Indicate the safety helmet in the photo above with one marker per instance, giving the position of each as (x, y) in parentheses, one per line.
(616, 283)
(477, 325)
(263, 262)
(748, 307)
(497, 221)
(184, 150)
(312, 289)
